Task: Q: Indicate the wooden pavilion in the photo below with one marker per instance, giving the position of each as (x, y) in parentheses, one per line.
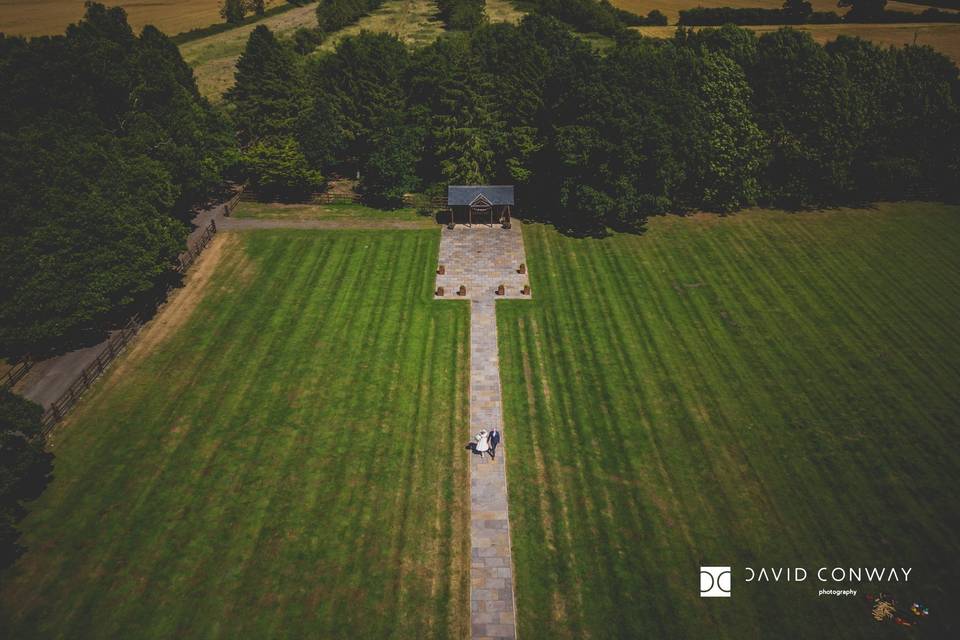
(480, 203)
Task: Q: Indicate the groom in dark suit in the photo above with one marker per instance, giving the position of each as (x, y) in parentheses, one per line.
(494, 437)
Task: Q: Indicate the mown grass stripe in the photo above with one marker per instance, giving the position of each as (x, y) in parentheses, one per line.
(261, 539)
(738, 359)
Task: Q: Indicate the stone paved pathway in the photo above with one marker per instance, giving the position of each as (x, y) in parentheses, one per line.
(482, 258)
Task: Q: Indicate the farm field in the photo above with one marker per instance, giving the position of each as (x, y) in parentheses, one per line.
(503, 11)
(51, 17)
(767, 389)
(671, 8)
(945, 38)
(345, 212)
(412, 21)
(280, 453)
(214, 58)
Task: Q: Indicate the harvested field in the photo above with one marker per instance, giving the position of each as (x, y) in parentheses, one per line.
(945, 38)
(671, 8)
(214, 58)
(413, 21)
(503, 11)
(51, 17)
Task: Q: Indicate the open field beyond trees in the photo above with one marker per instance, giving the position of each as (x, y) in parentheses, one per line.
(279, 454)
(671, 8)
(51, 17)
(760, 390)
(414, 22)
(945, 38)
(214, 58)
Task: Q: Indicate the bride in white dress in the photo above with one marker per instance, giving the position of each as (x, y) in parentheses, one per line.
(483, 442)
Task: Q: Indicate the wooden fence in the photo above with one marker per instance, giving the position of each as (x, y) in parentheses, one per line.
(340, 197)
(232, 203)
(328, 197)
(438, 203)
(188, 257)
(58, 410)
(15, 373)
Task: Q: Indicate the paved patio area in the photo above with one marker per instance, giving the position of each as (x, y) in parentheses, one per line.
(482, 258)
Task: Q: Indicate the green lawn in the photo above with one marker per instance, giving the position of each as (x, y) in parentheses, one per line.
(337, 211)
(285, 459)
(767, 390)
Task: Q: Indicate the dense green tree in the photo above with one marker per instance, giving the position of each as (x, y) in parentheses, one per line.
(801, 99)
(353, 95)
(516, 70)
(25, 468)
(278, 170)
(258, 7)
(104, 147)
(920, 135)
(588, 16)
(391, 170)
(655, 18)
(333, 15)
(233, 11)
(863, 10)
(462, 14)
(268, 94)
(738, 44)
(172, 124)
(713, 120)
(458, 101)
(306, 40)
(797, 11)
(730, 147)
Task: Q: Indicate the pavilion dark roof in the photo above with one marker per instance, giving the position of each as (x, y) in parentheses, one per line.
(463, 195)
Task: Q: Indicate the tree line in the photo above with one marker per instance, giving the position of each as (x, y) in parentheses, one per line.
(25, 468)
(333, 15)
(462, 14)
(105, 146)
(712, 120)
(596, 16)
(235, 11)
(801, 12)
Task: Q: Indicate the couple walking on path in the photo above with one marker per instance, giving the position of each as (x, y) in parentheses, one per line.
(485, 442)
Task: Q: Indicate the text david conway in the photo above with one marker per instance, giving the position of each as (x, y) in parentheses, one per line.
(827, 574)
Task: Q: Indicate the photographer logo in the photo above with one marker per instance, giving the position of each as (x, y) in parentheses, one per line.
(714, 582)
